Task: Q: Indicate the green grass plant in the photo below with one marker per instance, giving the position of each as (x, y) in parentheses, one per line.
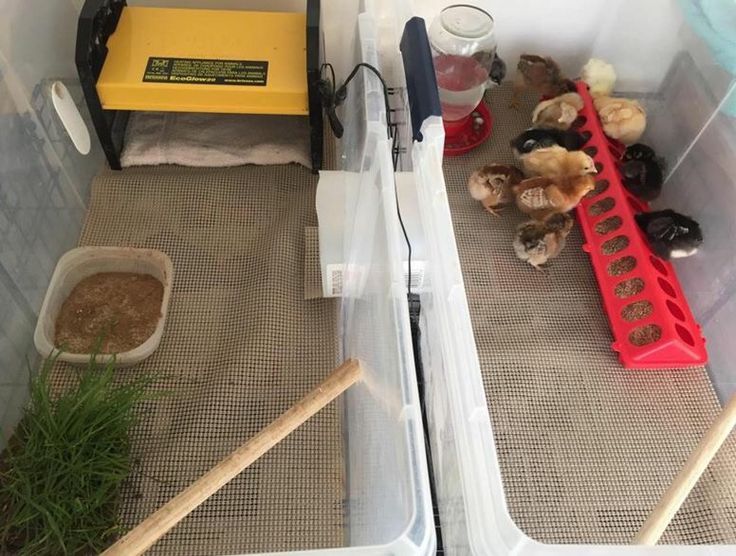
(61, 473)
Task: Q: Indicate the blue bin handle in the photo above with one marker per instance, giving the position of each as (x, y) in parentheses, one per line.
(421, 82)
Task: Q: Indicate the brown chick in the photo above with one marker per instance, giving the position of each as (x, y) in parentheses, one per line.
(540, 197)
(537, 242)
(542, 75)
(622, 118)
(556, 161)
(559, 112)
(491, 185)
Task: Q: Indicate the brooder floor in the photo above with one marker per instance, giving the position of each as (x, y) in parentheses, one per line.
(240, 346)
(586, 448)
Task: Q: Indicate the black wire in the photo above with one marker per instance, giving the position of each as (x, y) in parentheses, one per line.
(337, 96)
(340, 93)
(395, 157)
(332, 72)
(406, 238)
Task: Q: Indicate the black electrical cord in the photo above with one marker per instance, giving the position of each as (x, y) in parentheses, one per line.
(406, 238)
(332, 74)
(332, 98)
(326, 88)
(341, 93)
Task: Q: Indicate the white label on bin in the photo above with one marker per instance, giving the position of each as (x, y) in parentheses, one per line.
(335, 277)
(417, 274)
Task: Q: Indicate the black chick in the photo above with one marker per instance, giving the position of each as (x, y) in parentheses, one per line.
(639, 151)
(533, 139)
(643, 178)
(671, 235)
(498, 69)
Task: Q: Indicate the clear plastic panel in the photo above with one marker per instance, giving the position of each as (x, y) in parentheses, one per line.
(363, 112)
(387, 481)
(388, 502)
(686, 93)
(704, 186)
(44, 181)
(459, 424)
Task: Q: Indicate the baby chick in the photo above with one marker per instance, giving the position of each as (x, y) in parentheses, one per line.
(537, 242)
(559, 112)
(542, 75)
(671, 235)
(642, 171)
(498, 69)
(642, 178)
(533, 139)
(640, 151)
(622, 119)
(540, 197)
(600, 77)
(552, 162)
(491, 185)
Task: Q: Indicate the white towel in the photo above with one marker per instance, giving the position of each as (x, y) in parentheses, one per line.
(214, 140)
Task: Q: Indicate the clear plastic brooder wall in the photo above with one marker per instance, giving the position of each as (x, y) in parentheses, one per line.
(44, 181)
(388, 502)
(667, 56)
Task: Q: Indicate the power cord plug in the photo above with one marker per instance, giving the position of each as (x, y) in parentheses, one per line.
(327, 94)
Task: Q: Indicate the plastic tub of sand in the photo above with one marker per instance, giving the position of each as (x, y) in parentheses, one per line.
(107, 300)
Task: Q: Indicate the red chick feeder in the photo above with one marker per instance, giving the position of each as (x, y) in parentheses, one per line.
(652, 324)
(463, 47)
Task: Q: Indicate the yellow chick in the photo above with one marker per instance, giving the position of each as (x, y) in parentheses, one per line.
(600, 77)
(559, 112)
(491, 185)
(556, 161)
(622, 119)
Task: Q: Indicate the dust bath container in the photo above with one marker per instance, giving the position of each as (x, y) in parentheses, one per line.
(82, 262)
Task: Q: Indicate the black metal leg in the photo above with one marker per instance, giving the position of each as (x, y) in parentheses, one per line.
(316, 135)
(103, 126)
(97, 21)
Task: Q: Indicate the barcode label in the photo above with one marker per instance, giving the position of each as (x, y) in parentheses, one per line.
(336, 281)
(335, 278)
(417, 275)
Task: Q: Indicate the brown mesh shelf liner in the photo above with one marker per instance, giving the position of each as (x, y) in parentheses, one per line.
(586, 448)
(241, 345)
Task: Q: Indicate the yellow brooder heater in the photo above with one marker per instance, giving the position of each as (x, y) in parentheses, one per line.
(191, 60)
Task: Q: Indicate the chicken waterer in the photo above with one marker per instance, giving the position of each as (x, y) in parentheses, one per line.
(463, 47)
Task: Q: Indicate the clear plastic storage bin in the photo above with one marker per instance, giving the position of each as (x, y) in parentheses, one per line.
(388, 501)
(689, 99)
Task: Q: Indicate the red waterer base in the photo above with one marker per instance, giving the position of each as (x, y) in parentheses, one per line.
(464, 135)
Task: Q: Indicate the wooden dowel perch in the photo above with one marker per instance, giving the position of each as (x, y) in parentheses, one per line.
(160, 522)
(688, 476)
